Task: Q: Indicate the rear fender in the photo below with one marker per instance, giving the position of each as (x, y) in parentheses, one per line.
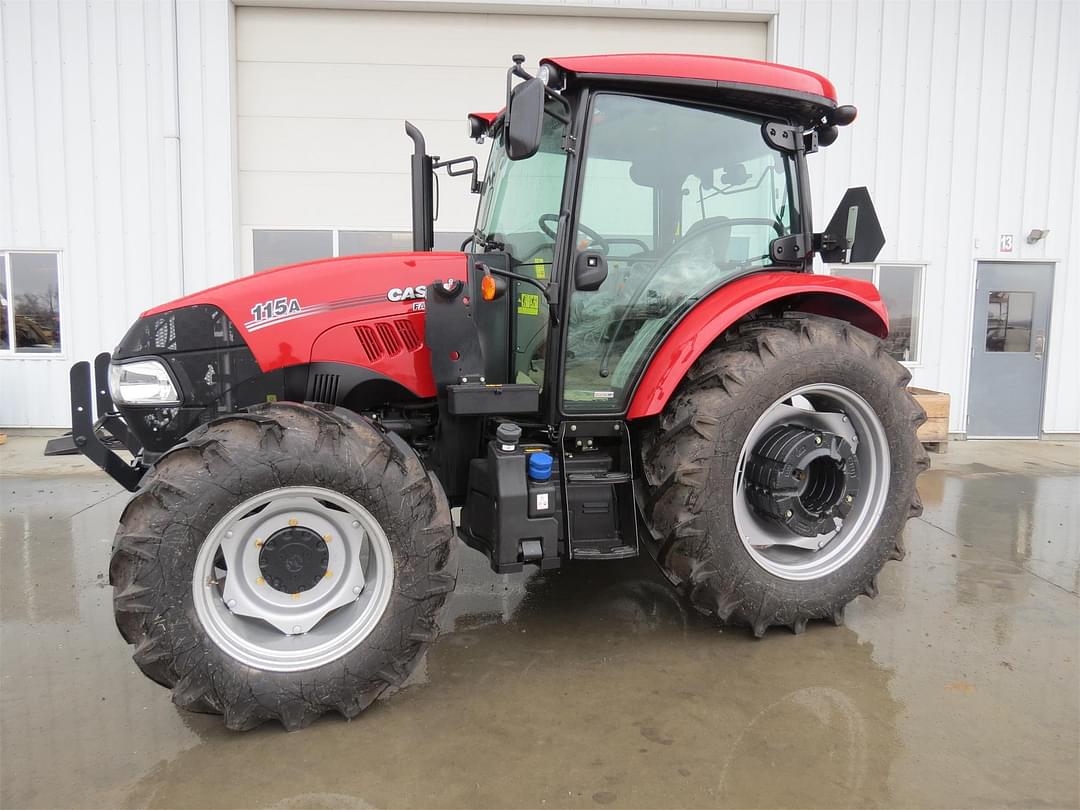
(857, 302)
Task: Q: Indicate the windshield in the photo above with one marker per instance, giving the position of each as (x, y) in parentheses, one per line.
(519, 213)
(520, 202)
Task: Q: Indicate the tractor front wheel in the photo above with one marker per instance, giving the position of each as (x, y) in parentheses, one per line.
(282, 563)
(783, 471)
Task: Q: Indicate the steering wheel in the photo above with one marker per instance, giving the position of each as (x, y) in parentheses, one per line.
(598, 242)
(692, 234)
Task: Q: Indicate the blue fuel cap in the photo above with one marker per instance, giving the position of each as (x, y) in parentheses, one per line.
(540, 466)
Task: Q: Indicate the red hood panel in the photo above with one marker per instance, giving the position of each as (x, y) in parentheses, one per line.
(281, 313)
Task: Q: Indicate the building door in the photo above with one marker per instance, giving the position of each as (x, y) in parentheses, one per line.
(1009, 343)
(322, 93)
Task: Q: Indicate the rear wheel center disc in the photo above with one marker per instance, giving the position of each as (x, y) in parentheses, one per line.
(811, 481)
(802, 478)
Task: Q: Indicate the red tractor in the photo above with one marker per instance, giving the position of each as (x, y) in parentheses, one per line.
(631, 351)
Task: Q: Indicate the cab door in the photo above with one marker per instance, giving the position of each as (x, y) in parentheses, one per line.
(682, 198)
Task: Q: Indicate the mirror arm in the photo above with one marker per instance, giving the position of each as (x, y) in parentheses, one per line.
(550, 291)
(452, 170)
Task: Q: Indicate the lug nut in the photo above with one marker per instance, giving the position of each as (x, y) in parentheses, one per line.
(328, 574)
(327, 538)
(260, 581)
(788, 513)
(231, 603)
(848, 498)
(296, 628)
(356, 524)
(296, 596)
(817, 440)
(356, 589)
(293, 521)
(258, 544)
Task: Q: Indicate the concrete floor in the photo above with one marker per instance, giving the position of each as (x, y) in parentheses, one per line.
(957, 687)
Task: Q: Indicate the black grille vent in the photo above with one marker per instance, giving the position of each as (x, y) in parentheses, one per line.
(324, 388)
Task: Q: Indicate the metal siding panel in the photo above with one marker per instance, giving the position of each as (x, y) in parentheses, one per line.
(935, 230)
(48, 124)
(912, 201)
(21, 120)
(1016, 153)
(217, 118)
(968, 114)
(1062, 408)
(93, 110)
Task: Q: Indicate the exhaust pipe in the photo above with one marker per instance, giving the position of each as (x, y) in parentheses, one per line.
(423, 199)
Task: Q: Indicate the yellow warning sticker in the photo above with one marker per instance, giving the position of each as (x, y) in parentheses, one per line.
(540, 268)
(528, 304)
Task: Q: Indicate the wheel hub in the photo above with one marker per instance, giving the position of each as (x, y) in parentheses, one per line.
(802, 478)
(294, 559)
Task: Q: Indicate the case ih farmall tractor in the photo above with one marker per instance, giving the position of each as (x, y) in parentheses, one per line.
(631, 352)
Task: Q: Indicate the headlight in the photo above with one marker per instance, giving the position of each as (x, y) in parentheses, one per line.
(142, 382)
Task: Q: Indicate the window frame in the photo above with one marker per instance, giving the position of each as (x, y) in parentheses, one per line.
(920, 309)
(10, 353)
(335, 234)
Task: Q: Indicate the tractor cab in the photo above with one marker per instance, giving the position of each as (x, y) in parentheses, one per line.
(619, 193)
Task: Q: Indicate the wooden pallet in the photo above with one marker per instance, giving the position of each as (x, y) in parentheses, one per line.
(934, 432)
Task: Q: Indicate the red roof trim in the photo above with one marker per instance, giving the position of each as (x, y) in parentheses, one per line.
(701, 67)
(487, 117)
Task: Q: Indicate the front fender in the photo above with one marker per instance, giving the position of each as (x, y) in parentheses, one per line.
(857, 302)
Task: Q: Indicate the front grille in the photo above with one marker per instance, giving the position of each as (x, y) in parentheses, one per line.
(384, 339)
(185, 329)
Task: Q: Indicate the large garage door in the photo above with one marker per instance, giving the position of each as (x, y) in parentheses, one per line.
(322, 95)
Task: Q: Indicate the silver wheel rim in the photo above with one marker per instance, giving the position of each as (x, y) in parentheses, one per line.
(270, 629)
(774, 547)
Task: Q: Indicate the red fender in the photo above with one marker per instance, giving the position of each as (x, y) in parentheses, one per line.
(857, 302)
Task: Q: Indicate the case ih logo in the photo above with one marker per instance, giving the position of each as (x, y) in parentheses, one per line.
(407, 293)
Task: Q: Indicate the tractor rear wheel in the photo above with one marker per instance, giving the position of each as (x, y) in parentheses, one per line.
(782, 472)
(282, 563)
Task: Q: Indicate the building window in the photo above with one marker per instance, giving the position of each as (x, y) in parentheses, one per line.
(29, 302)
(276, 247)
(901, 287)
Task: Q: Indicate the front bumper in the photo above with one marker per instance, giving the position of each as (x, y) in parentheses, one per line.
(97, 437)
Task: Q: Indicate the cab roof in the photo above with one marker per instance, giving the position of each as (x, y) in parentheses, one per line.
(704, 71)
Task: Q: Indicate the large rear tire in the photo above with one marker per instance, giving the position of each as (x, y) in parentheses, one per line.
(750, 529)
(283, 563)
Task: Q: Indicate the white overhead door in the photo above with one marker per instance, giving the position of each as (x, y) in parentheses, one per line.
(322, 94)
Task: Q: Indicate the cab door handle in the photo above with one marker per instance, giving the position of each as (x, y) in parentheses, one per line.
(1040, 345)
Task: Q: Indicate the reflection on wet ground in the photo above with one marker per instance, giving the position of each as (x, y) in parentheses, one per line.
(594, 685)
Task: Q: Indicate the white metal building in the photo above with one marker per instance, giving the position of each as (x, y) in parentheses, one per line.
(151, 148)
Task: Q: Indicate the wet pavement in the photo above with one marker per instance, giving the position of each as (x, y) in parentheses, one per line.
(593, 686)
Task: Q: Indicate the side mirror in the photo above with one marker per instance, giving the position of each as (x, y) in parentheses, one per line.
(590, 271)
(525, 118)
(854, 232)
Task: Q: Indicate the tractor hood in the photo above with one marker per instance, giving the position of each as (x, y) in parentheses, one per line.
(285, 315)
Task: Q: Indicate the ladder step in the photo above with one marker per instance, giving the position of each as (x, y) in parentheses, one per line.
(608, 553)
(598, 478)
